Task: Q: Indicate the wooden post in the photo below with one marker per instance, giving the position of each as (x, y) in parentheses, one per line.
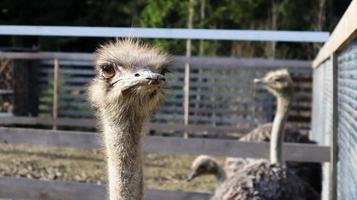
(202, 17)
(186, 101)
(201, 53)
(333, 137)
(55, 93)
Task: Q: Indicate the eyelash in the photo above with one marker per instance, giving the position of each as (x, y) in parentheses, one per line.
(164, 71)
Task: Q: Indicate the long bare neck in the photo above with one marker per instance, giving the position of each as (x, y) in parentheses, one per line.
(123, 145)
(277, 132)
(220, 176)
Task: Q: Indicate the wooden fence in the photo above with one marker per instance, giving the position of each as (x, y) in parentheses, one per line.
(160, 144)
(11, 187)
(222, 99)
(221, 92)
(31, 189)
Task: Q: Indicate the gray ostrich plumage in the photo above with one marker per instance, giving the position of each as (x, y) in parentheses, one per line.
(261, 180)
(309, 172)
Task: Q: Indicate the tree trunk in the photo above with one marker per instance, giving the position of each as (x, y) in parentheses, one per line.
(187, 66)
(274, 17)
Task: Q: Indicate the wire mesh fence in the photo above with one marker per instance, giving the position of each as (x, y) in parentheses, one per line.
(221, 91)
(321, 125)
(347, 122)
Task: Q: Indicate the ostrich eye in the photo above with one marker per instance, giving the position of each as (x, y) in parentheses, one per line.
(202, 168)
(278, 79)
(108, 71)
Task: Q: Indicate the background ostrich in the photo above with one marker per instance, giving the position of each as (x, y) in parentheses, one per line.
(309, 172)
(127, 88)
(264, 180)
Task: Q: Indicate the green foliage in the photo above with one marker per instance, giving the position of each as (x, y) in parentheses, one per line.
(218, 14)
(166, 14)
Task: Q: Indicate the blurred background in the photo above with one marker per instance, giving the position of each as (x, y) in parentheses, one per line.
(305, 15)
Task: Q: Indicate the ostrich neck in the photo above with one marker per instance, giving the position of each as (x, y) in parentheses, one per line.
(220, 176)
(277, 133)
(123, 145)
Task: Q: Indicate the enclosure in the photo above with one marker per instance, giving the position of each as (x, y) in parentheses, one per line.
(333, 121)
(210, 102)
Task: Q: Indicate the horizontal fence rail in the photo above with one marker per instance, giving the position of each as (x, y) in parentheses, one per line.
(165, 33)
(91, 123)
(177, 60)
(169, 145)
(31, 189)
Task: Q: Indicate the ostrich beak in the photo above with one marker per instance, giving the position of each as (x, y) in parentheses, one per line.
(140, 78)
(155, 79)
(191, 176)
(149, 77)
(260, 81)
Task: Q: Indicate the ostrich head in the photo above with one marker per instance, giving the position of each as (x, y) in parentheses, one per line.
(203, 165)
(278, 82)
(130, 77)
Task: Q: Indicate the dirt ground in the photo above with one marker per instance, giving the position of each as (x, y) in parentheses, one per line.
(68, 164)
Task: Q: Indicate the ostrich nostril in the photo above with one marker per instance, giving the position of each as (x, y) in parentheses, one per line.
(156, 79)
(159, 78)
(136, 75)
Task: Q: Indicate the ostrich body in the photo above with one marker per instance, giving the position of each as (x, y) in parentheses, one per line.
(309, 172)
(206, 165)
(127, 88)
(266, 178)
(261, 180)
(269, 180)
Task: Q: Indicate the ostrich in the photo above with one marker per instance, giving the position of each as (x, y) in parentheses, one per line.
(263, 179)
(128, 86)
(206, 165)
(309, 172)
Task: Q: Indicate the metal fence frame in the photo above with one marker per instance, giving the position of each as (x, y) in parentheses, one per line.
(165, 33)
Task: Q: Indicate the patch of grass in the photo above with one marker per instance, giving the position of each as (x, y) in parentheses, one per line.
(69, 164)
